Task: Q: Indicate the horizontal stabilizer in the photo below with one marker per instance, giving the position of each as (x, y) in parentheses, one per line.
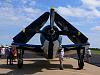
(34, 48)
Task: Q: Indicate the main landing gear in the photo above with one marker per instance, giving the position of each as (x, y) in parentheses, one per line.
(80, 53)
(20, 58)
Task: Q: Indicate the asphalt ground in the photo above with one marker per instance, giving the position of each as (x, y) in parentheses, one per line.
(94, 60)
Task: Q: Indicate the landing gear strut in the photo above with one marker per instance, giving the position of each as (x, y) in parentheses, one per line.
(80, 58)
(20, 58)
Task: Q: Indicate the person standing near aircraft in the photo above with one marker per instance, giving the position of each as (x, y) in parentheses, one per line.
(7, 54)
(61, 57)
(3, 51)
(88, 54)
(14, 53)
(10, 56)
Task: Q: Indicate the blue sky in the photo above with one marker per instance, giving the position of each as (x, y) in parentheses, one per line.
(17, 14)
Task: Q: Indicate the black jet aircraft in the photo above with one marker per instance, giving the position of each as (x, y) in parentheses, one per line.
(51, 38)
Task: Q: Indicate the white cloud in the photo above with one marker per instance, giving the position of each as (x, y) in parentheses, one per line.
(16, 19)
(30, 10)
(69, 11)
(96, 28)
(17, 16)
(5, 39)
(30, 2)
(13, 18)
(91, 3)
(7, 14)
(86, 10)
(24, 1)
(94, 39)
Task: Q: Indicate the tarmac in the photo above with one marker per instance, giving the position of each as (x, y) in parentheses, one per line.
(42, 66)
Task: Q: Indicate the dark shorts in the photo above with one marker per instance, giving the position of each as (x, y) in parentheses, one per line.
(88, 56)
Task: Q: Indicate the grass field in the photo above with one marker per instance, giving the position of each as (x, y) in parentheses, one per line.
(96, 51)
(93, 50)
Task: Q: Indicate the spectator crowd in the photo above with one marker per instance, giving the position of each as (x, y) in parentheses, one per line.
(9, 53)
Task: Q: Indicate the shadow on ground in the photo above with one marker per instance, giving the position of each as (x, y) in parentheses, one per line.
(94, 60)
(33, 68)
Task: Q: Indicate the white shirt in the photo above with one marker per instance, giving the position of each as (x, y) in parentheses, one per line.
(3, 51)
(88, 51)
(61, 54)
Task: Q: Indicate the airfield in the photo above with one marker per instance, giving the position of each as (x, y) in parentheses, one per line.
(40, 66)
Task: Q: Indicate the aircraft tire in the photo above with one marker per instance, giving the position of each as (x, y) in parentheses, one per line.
(20, 63)
(80, 64)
